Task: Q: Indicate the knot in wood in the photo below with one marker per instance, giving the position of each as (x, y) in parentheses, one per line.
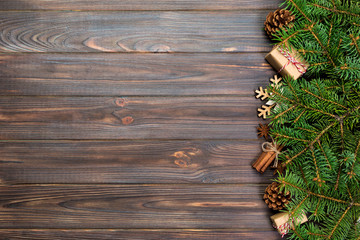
(160, 48)
(182, 163)
(183, 160)
(121, 102)
(127, 120)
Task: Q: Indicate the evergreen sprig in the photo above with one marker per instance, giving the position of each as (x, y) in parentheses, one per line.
(318, 119)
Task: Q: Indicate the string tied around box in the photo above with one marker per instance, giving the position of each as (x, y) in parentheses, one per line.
(299, 65)
(284, 228)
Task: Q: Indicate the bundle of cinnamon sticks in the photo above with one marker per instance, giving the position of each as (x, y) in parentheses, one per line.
(265, 159)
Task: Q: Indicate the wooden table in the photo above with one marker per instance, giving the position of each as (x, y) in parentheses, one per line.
(132, 119)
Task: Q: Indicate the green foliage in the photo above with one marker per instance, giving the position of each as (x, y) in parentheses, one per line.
(318, 119)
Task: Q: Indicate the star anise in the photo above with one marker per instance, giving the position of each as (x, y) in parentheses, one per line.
(263, 130)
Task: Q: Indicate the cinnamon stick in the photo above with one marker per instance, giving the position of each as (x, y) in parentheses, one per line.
(261, 160)
(270, 160)
(258, 161)
(264, 161)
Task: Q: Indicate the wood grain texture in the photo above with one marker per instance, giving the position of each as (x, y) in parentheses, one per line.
(134, 206)
(130, 162)
(139, 31)
(104, 74)
(138, 234)
(137, 5)
(128, 118)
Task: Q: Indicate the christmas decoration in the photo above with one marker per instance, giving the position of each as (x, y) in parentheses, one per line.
(277, 20)
(261, 93)
(263, 130)
(269, 154)
(264, 111)
(274, 198)
(317, 119)
(275, 80)
(287, 61)
(283, 223)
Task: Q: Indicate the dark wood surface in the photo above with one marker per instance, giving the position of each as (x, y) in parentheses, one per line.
(177, 5)
(140, 118)
(134, 206)
(133, 31)
(138, 234)
(104, 74)
(210, 161)
(132, 119)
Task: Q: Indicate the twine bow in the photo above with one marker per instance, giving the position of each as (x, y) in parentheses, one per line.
(292, 60)
(284, 228)
(272, 147)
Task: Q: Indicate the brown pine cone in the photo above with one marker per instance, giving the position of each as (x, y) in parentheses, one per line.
(274, 199)
(277, 20)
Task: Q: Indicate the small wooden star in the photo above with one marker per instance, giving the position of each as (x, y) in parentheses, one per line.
(263, 130)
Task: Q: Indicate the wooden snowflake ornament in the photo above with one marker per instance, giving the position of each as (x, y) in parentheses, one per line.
(262, 93)
(264, 111)
(275, 80)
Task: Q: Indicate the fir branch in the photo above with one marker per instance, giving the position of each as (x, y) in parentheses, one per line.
(297, 119)
(347, 187)
(354, 43)
(299, 205)
(293, 138)
(297, 7)
(317, 207)
(330, 31)
(311, 144)
(293, 91)
(319, 63)
(342, 134)
(297, 234)
(338, 222)
(316, 168)
(300, 104)
(307, 130)
(338, 178)
(318, 234)
(326, 158)
(318, 195)
(322, 46)
(319, 120)
(355, 155)
(303, 51)
(284, 112)
(324, 99)
(336, 11)
(284, 41)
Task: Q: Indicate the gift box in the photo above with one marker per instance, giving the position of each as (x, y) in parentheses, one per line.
(287, 61)
(283, 223)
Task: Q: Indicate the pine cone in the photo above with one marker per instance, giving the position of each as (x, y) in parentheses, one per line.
(277, 20)
(274, 199)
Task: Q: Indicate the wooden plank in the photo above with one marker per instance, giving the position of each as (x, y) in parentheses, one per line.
(144, 31)
(130, 162)
(134, 206)
(128, 118)
(96, 74)
(141, 234)
(137, 5)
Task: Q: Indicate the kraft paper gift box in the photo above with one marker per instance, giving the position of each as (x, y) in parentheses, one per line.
(283, 224)
(287, 61)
